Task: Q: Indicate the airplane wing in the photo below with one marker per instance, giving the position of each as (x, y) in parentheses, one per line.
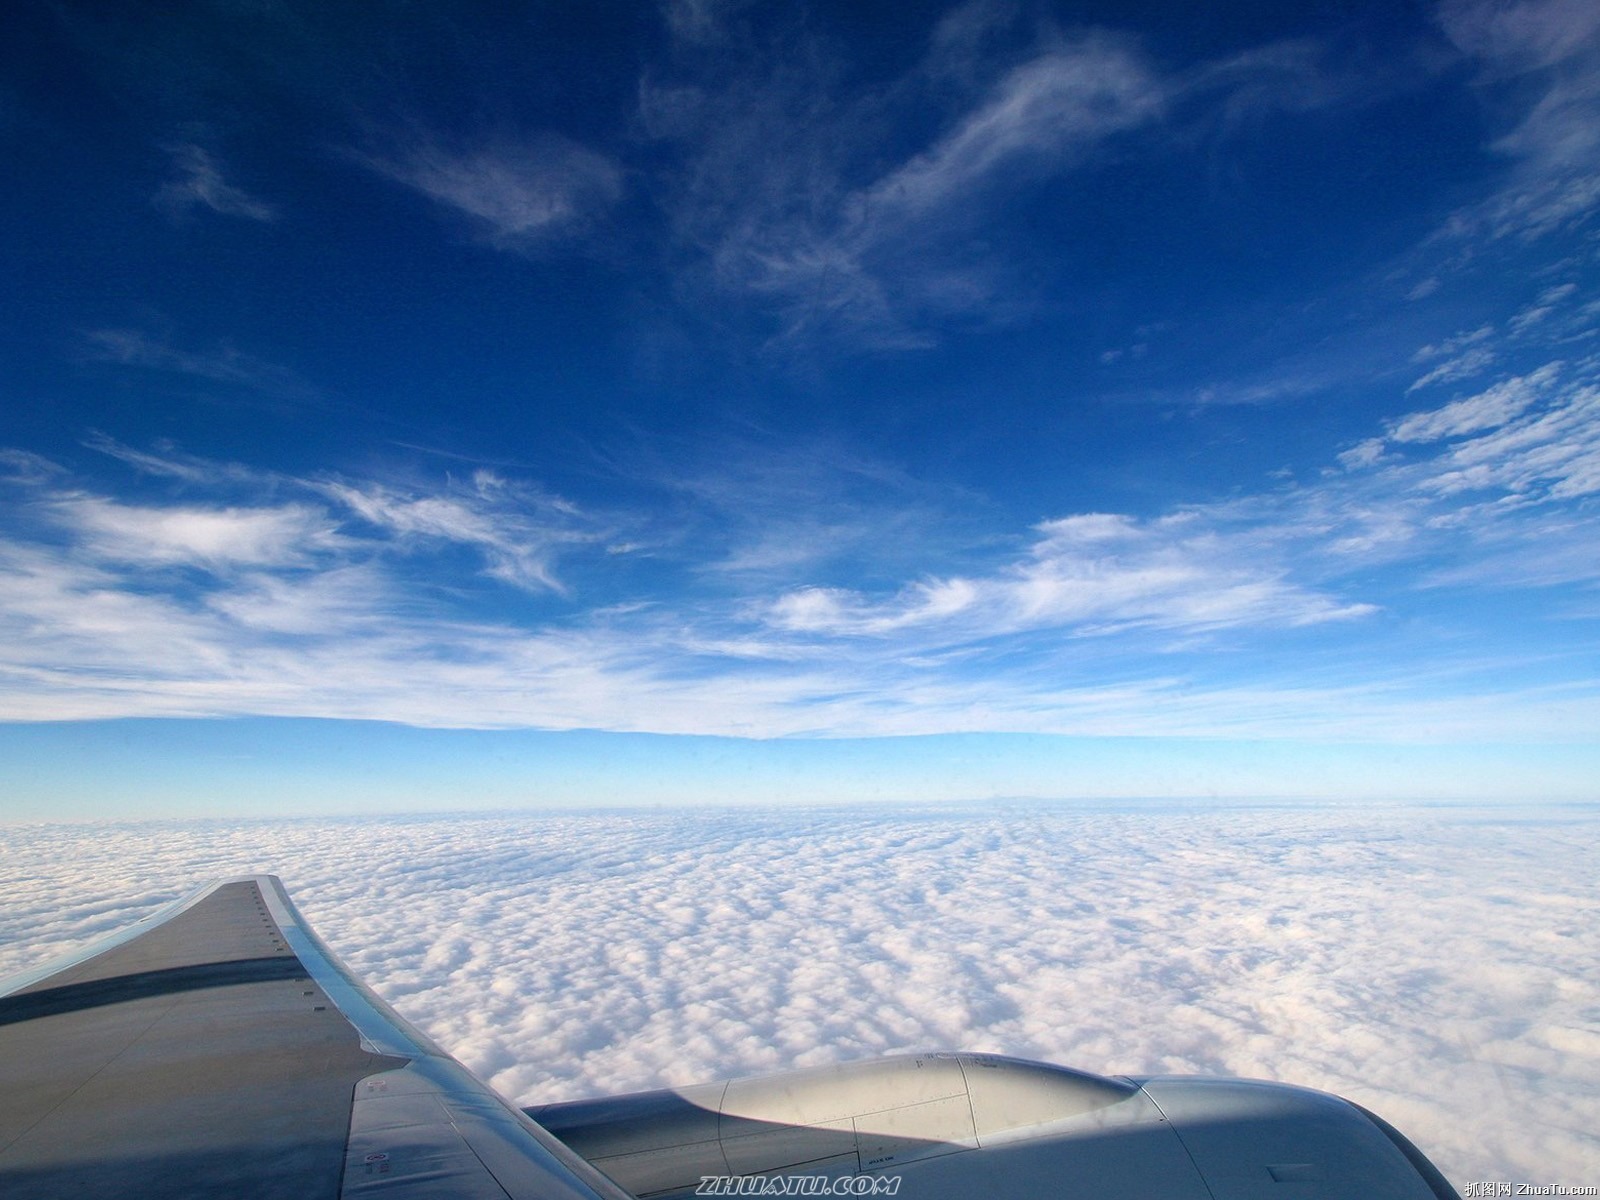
(220, 1049)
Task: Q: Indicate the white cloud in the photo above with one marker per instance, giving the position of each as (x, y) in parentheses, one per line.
(199, 184)
(1094, 573)
(756, 507)
(1452, 346)
(1427, 963)
(227, 365)
(518, 529)
(295, 607)
(808, 214)
(1473, 362)
(26, 468)
(1485, 484)
(338, 602)
(1536, 442)
(1536, 313)
(215, 538)
(1545, 55)
(833, 597)
(1362, 454)
(1552, 455)
(1039, 116)
(1522, 35)
(701, 22)
(518, 195)
(82, 642)
(875, 209)
(1486, 410)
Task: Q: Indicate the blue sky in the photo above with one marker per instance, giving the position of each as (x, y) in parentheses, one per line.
(802, 401)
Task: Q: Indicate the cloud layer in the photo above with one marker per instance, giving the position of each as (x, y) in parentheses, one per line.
(1436, 965)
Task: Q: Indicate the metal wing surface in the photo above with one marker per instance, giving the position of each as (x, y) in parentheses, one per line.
(219, 1049)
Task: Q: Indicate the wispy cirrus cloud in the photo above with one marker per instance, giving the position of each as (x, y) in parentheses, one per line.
(198, 183)
(1472, 477)
(26, 468)
(1452, 346)
(519, 529)
(225, 364)
(1034, 120)
(514, 193)
(701, 21)
(178, 535)
(846, 238)
(755, 508)
(1540, 60)
(212, 608)
(167, 461)
(256, 592)
(1474, 362)
(1486, 410)
(1092, 574)
(795, 213)
(1539, 311)
(351, 600)
(1527, 441)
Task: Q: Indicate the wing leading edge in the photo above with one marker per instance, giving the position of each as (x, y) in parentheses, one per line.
(220, 1049)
